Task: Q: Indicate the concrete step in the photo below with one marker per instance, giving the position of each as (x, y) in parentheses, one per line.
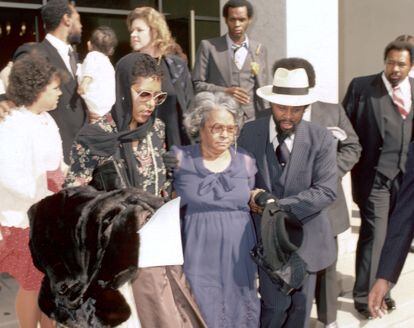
(403, 292)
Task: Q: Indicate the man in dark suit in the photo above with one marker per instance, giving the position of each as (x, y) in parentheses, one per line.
(397, 242)
(233, 63)
(380, 109)
(63, 27)
(296, 162)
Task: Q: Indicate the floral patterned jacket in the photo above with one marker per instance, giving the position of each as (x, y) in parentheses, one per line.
(148, 154)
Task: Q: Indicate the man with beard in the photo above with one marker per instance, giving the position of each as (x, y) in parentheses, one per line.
(332, 117)
(63, 27)
(296, 162)
(379, 108)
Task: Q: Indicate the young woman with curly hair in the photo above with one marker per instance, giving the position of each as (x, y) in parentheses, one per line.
(31, 147)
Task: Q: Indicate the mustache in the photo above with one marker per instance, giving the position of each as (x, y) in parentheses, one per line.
(288, 132)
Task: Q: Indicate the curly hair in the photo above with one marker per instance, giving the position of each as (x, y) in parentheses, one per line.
(161, 34)
(145, 66)
(103, 39)
(203, 103)
(53, 11)
(29, 76)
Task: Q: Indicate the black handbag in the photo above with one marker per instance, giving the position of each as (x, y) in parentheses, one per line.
(110, 175)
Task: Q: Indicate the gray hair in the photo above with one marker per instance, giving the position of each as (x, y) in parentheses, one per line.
(205, 102)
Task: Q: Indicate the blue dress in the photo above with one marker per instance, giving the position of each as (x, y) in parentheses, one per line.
(218, 234)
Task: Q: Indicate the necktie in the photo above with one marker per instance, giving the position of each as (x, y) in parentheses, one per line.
(398, 99)
(72, 61)
(236, 47)
(282, 151)
(238, 53)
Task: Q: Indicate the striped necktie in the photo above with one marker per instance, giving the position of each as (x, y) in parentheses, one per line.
(398, 99)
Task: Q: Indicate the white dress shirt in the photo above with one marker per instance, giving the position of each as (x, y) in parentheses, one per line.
(62, 48)
(241, 54)
(273, 136)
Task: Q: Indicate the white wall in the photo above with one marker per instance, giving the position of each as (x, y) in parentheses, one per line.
(366, 27)
(312, 33)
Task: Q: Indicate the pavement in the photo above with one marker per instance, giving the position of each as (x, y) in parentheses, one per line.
(403, 292)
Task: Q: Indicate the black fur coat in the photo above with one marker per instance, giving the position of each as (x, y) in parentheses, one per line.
(86, 243)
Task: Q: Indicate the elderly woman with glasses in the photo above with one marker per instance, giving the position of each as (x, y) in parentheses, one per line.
(132, 135)
(214, 179)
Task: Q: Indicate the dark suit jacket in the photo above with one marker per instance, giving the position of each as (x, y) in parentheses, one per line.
(400, 230)
(348, 152)
(212, 69)
(311, 184)
(365, 101)
(70, 114)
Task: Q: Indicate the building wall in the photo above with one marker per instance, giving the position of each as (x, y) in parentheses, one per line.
(365, 29)
(268, 27)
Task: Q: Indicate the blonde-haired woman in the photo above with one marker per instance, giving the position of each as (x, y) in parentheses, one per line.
(149, 33)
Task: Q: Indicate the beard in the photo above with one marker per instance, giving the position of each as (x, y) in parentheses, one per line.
(284, 132)
(74, 38)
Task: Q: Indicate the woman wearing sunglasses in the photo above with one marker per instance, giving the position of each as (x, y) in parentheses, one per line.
(149, 33)
(135, 136)
(214, 179)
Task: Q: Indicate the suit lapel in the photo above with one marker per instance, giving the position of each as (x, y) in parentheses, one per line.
(58, 62)
(261, 159)
(412, 92)
(222, 59)
(298, 155)
(380, 102)
(257, 56)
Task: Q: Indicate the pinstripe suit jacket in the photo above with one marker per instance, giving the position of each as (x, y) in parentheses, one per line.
(310, 187)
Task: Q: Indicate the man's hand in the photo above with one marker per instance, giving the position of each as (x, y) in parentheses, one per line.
(239, 94)
(376, 303)
(252, 204)
(5, 108)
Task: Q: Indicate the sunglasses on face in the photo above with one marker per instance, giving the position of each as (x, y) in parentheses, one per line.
(145, 96)
(220, 128)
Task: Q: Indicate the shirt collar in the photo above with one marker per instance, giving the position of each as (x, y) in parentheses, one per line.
(230, 42)
(404, 86)
(61, 47)
(273, 136)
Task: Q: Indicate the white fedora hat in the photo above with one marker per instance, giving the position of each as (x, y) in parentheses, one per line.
(290, 88)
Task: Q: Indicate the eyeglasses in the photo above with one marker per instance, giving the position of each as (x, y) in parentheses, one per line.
(220, 128)
(144, 96)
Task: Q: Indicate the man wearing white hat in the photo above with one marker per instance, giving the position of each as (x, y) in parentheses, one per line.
(296, 162)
